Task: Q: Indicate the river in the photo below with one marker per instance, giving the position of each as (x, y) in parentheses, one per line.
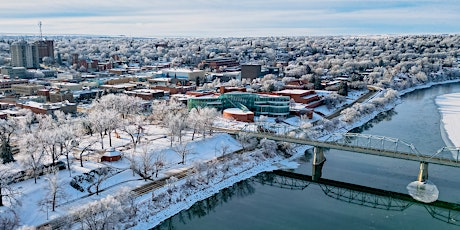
(253, 205)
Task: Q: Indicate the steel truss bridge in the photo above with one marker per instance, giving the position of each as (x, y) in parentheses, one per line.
(361, 195)
(353, 142)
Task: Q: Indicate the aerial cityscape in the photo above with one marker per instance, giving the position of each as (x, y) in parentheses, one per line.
(230, 115)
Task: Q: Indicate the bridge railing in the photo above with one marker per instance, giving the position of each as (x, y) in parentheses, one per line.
(388, 145)
(383, 143)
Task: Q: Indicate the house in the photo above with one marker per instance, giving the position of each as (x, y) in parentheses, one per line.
(111, 155)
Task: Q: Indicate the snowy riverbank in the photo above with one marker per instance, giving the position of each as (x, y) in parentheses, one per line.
(449, 108)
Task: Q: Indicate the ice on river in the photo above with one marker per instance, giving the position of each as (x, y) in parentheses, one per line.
(425, 192)
(449, 107)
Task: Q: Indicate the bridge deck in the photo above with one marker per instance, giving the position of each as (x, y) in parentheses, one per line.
(351, 148)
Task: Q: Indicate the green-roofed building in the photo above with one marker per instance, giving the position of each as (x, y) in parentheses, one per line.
(260, 104)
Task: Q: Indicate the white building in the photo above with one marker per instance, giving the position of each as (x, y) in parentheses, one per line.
(24, 54)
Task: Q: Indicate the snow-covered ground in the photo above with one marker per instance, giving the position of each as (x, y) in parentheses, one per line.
(201, 150)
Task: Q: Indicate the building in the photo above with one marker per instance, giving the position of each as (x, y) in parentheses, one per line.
(58, 95)
(24, 54)
(251, 71)
(14, 72)
(111, 155)
(5, 84)
(239, 115)
(146, 94)
(300, 96)
(260, 104)
(67, 85)
(45, 49)
(26, 89)
(216, 63)
(48, 108)
(86, 95)
(185, 74)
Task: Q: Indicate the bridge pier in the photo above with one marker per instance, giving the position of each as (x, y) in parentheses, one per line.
(423, 172)
(318, 156)
(316, 171)
(318, 162)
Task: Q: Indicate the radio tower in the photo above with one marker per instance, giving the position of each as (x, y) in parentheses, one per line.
(40, 27)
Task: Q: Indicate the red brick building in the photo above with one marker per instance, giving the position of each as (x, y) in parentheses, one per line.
(239, 115)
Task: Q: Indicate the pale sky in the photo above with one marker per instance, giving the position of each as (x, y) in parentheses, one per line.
(230, 18)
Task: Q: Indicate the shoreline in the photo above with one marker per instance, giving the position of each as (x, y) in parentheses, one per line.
(268, 165)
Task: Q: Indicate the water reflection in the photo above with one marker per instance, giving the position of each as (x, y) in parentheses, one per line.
(344, 192)
(204, 207)
(361, 195)
(383, 116)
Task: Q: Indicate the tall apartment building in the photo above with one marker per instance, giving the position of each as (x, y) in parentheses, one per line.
(45, 49)
(24, 54)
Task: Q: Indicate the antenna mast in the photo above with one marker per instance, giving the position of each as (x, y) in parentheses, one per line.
(40, 27)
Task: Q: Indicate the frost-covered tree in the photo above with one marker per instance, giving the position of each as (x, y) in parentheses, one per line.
(9, 219)
(9, 195)
(54, 190)
(268, 147)
(159, 162)
(182, 149)
(101, 214)
(103, 122)
(101, 175)
(7, 129)
(134, 128)
(144, 164)
(176, 124)
(46, 135)
(33, 150)
(67, 134)
(208, 116)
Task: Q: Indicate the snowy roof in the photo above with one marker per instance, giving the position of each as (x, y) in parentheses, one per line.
(237, 111)
(112, 153)
(294, 91)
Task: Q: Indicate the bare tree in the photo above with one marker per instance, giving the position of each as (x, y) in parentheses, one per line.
(222, 149)
(134, 129)
(159, 162)
(183, 150)
(8, 193)
(100, 175)
(55, 190)
(145, 164)
(9, 220)
(83, 148)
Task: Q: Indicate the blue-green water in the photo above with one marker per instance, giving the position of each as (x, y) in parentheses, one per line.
(251, 205)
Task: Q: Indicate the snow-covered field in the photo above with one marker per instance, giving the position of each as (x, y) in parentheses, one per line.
(200, 150)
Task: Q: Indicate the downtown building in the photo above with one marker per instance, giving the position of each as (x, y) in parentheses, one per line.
(30, 55)
(24, 54)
